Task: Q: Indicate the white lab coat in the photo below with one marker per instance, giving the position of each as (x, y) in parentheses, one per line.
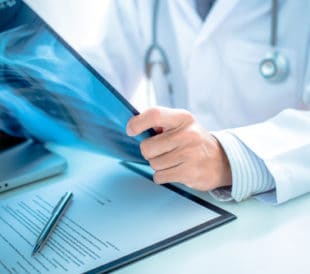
(215, 73)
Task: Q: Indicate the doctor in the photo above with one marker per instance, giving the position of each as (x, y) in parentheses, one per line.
(234, 77)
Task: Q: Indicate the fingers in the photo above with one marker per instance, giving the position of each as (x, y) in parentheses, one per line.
(184, 174)
(170, 175)
(168, 160)
(158, 117)
(161, 144)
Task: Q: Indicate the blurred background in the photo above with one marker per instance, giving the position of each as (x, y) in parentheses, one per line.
(73, 19)
(77, 21)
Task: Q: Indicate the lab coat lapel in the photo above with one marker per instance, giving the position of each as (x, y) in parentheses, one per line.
(219, 12)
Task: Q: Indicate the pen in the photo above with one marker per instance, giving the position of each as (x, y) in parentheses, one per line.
(57, 212)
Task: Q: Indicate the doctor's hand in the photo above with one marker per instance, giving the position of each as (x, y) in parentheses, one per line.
(182, 151)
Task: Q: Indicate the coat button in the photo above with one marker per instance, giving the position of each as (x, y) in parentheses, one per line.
(306, 95)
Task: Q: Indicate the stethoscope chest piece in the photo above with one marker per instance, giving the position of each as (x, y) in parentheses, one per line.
(274, 67)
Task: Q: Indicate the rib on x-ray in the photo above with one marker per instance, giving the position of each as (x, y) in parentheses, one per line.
(48, 93)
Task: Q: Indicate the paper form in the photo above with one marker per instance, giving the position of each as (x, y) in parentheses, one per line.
(113, 213)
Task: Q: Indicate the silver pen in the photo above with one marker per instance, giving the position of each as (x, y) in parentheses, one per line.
(57, 212)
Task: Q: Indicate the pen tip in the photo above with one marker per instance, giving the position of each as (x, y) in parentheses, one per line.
(35, 250)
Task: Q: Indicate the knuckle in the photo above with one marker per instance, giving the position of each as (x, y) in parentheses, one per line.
(154, 114)
(157, 177)
(134, 126)
(154, 164)
(144, 149)
(187, 116)
(194, 135)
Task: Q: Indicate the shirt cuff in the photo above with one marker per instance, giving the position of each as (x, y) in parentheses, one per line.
(250, 175)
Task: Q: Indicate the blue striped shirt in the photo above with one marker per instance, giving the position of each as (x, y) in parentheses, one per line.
(250, 175)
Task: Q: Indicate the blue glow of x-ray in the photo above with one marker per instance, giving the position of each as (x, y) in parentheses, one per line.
(47, 93)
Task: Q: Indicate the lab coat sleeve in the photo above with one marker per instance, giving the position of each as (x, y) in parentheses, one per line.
(117, 52)
(283, 144)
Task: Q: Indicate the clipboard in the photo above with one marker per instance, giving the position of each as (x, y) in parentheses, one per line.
(223, 218)
(125, 112)
(118, 216)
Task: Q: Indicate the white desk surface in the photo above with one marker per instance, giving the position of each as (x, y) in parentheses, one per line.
(264, 238)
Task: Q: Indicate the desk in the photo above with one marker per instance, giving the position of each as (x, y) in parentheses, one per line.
(264, 238)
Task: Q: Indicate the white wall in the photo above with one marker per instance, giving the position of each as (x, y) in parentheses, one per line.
(75, 20)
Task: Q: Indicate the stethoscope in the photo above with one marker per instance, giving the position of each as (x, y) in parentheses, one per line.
(274, 67)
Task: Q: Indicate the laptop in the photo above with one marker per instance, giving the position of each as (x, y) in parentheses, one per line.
(25, 161)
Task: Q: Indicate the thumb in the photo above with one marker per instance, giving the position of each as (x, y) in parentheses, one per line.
(158, 118)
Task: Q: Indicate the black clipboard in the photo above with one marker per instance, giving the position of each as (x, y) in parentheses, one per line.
(223, 217)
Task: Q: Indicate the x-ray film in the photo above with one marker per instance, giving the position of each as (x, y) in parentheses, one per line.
(49, 93)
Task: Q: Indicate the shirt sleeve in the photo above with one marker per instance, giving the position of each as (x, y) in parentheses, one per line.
(250, 175)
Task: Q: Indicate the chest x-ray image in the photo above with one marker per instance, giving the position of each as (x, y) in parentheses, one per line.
(47, 92)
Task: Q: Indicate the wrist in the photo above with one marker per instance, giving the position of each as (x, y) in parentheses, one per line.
(225, 174)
